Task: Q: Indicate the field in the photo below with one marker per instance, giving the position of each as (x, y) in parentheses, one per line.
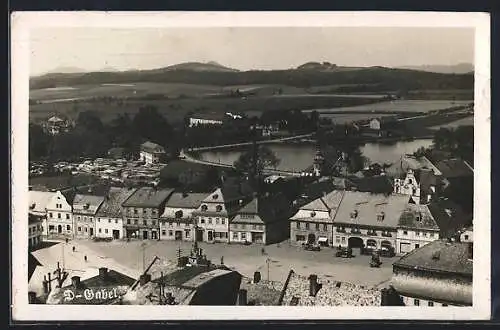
(467, 121)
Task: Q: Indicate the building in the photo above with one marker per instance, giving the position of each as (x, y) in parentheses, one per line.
(467, 235)
(109, 223)
(177, 221)
(37, 215)
(458, 182)
(84, 214)
(313, 222)
(56, 125)
(59, 222)
(198, 119)
(449, 216)
(151, 153)
(367, 220)
(141, 212)
(416, 228)
(437, 274)
(216, 210)
(264, 220)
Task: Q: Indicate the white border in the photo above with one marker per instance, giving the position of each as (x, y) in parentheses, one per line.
(22, 22)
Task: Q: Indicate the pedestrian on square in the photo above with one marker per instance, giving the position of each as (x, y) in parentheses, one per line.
(74, 249)
(222, 260)
(263, 251)
(85, 258)
(67, 240)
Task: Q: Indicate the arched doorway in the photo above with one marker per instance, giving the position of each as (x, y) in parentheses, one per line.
(386, 249)
(371, 243)
(59, 229)
(356, 243)
(311, 238)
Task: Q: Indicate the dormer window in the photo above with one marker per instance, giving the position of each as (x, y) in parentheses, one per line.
(86, 206)
(410, 181)
(32, 206)
(381, 216)
(204, 207)
(178, 214)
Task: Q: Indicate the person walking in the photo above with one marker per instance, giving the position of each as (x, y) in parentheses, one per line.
(222, 260)
(74, 249)
(85, 258)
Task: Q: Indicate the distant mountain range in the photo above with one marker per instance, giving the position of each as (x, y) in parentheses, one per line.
(456, 69)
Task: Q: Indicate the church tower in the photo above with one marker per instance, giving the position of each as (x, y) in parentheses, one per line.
(319, 161)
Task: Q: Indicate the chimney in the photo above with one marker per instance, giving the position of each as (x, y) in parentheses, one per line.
(75, 281)
(470, 250)
(32, 297)
(103, 272)
(313, 285)
(242, 297)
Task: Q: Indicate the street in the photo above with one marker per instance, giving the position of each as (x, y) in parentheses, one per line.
(248, 259)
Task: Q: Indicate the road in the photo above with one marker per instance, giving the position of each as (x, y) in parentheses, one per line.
(248, 259)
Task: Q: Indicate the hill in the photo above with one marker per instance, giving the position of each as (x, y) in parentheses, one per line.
(213, 74)
(461, 68)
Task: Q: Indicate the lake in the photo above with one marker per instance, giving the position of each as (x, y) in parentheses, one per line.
(299, 157)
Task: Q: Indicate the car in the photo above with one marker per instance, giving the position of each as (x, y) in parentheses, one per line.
(311, 247)
(387, 252)
(344, 253)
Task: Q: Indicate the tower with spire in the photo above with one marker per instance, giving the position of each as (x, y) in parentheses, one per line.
(319, 161)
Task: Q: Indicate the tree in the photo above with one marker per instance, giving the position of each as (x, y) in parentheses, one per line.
(151, 125)
(39, 142)
(265, 159)
(90, 121)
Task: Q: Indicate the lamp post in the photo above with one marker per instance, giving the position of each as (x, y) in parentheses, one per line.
(144, 246)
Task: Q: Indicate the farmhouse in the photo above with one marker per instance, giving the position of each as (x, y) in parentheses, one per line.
(151, 153)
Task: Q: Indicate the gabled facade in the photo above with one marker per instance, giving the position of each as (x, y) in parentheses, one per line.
(408, 186)
(151, 153)
(84, 210)
(59, 223)
(177, 221)
(109, 219)
(416, 228)
(313, 222)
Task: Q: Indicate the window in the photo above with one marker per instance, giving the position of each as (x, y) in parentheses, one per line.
(128, 221)
(100, 230)
(243, 235)
(337, 239)
(79, 228)
(170, 224)
(300, 238)
(210, 221)
(430, 304)
(136, 222)
(135, 211)
(106, 230)
(243, 226)
(254, 226)
(298, 225)
(431, 235)
(410, 181)
(317, 226)
(235, 235)
(313, 214)
(86, 229)
(58, 215)
(325, 227)
(416, 302)
(307, 225)
(179, 214)
(68, 227)
(116, 220)
(153, 212)
(343, 239)
(187, 233)
(145, 222)
(163, 232)
(417, 246)
(153, 223)
(466, 237)
(144, 211)
(218, 208)
(417, 233)
(170, 233)
(109, 220)
(67, 216)
(444, 305)
(98, 219)
(202, 220)
(223, 221)
(204, 207)
(425, 234)
(50, 215)
(405, 232)
(217, 221)
(78, 218)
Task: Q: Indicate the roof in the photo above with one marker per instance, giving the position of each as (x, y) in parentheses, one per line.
(369, 206)
(452, 168)
(453, 258)
(320, 187)
(449, 216)
(331, 293)
(113, 202)
(39, 201)
(186, 200)
(375, 184)
(148, 197)
(209, 116)
(417, 217)
(152, 147)
(326, 203)
(55, 119)
(87, 203)
(408, 162)
(268, 209)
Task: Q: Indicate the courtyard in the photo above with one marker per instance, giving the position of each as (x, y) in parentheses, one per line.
(273, 265)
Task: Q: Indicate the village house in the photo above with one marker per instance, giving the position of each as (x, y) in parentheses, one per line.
(263, 220)
(215, 211)
(37, 215)
(177, 221)
(206, 119)
(416, 228)
(59, 222)
(368, 220)
(375, 124)
(56, 125)
(437, 274)
(313, 223)
(109, 223)
(467, 235)
(141, 212)
(151, 153)
(84, 214)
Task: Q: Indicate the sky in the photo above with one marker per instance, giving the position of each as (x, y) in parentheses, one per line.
(247, 48)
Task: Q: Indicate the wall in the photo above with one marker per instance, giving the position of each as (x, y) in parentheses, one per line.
(35, 233)
(169, 227)
(138, 219)
(84, 225)
(342, 238)
(413, 239)
(109, 224)
(61, 212)
(408, 186)
(304, 231)
(241, 232)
